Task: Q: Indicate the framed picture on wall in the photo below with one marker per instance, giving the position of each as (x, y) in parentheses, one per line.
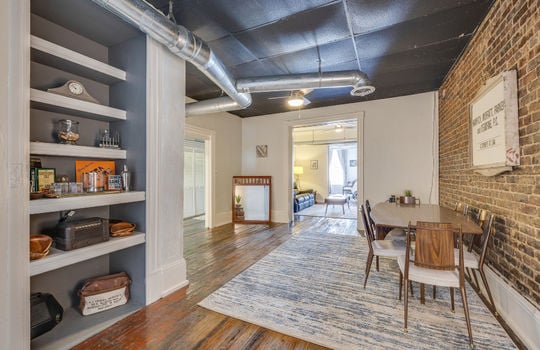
(352, 163)
(314, 164)
(261, 151)
(494, 132)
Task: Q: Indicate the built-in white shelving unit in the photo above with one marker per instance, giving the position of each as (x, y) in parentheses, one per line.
(61, 272)
(66, 105)
(59, 258)
(56, 149)
(49, 205)
(53, 55)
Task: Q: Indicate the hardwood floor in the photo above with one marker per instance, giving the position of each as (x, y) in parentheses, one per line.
(213, 257)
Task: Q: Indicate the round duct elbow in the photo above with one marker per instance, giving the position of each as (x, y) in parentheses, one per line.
(362, 90)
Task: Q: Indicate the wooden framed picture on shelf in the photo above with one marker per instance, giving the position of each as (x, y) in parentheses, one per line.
(91, 166)
(44, 178)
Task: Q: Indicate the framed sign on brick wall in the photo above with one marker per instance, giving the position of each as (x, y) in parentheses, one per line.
(494, 134)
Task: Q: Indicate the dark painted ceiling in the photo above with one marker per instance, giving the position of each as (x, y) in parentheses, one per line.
(404, 46)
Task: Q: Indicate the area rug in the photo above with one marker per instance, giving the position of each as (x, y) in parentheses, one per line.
(310, 288)
(334, 211)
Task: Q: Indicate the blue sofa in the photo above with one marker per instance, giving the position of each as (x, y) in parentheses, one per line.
(303, 199)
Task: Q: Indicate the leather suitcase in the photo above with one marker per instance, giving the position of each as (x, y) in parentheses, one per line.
(104, 292)
(45, 313)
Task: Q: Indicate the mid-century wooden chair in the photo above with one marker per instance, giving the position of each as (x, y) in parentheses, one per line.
(475, 262)
(393, 234)
(377, 247)
(434, 263)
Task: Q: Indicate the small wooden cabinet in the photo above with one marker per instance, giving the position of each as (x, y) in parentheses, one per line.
(255, 204)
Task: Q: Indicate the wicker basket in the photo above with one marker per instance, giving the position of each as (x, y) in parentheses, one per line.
(121, 229)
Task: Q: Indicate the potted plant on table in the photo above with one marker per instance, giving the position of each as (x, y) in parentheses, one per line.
(408, 198)
(238, 210)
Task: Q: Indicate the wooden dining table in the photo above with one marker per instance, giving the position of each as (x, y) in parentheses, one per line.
(394, 215)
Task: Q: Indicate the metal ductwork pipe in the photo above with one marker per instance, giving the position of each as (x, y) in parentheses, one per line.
(357, 79)
(182, 43)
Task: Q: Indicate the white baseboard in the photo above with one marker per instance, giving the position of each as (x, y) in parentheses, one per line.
(166, 280)
(222, 218)
(280, 216)
(520, 314)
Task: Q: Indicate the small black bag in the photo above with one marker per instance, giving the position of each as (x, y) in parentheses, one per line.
(46, 313)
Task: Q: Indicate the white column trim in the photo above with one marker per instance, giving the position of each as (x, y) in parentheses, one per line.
(165, 264)
(14, 176)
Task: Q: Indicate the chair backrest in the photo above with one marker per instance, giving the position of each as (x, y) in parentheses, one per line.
(461, 208)
(368, 214)
(367, 227)
(486, 235)
(434, 246)
(368, 207)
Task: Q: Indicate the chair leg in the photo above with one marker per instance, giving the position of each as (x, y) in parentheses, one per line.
(476, 281)
(467, 317)
(412, 291)
(469, 273)
(368, 267)
(452, 299)
(483, 275)
(377, 263)
(422, 294)
(406, 302)
(434, 292)
(400, 284)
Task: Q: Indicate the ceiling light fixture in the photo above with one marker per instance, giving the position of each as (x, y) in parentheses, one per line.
(296, 99)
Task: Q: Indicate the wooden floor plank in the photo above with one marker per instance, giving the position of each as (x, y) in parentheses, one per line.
(213, 258)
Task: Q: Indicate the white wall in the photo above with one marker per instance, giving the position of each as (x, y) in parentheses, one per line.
(316, 179)
(227, 158)
(400, 148)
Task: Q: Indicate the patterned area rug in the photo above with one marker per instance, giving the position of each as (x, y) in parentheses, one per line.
(310, 287)
(334, 211)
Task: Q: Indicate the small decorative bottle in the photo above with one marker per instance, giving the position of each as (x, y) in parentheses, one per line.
(126, 178)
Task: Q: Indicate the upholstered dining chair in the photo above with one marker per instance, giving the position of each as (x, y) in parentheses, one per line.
(475, 262)
(393, 234)
(434, 263)
(377, 247)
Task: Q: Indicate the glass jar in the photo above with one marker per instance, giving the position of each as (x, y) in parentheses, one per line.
(68, 131)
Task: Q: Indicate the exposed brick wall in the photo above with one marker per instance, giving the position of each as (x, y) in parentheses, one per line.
(509, 38)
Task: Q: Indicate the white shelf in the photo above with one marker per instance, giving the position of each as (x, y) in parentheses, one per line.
(66, 105)
(54, 55)
(50, 205)
(75, 328)
(59, 258)
(56, 149)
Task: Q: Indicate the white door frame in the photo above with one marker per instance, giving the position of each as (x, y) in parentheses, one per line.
(359, 116)
(209, 137)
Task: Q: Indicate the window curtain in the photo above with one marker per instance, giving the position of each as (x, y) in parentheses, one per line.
(336, 171)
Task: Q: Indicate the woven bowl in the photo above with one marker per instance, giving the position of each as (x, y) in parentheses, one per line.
(122, 228)
(39, 246)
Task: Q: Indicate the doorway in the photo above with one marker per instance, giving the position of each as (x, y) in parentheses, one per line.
(194, 185)
(199, 150)
(326, 161)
